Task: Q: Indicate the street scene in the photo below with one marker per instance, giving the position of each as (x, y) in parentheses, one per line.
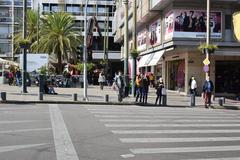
(89, 132)
(119, 79)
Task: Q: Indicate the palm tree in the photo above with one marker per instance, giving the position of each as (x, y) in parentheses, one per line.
(32, 29)
(59, 37)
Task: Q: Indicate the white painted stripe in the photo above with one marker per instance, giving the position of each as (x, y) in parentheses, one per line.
(16, 147)
(172, 125)
(22, 112)
(26, 130)
(9, 122)
(21, 108)
(127, 155)
(173, 131)
(63, 143)
(167, 140)
(163, 117)
(230, 158)
(166, 120)
(184, 149)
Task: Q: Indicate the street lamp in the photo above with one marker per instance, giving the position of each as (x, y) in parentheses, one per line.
(208, 34)
(85, 98)
(24, 86)
(126, 76)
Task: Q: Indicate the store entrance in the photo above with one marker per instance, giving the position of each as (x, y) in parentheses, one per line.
(177, 75)
(227, 77)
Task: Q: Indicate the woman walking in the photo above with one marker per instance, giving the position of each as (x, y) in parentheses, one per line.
(159, 87)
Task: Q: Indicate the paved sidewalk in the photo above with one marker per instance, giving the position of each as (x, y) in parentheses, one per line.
(97, 96)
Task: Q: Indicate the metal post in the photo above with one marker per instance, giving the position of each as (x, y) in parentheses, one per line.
(40, 96)
(13, 25)
(208, 34)
(3, 96)
(85, 98)
(134, 45)
(74, 97)
(192, 100)
(24, 86)
(106, 98)
(126, 76)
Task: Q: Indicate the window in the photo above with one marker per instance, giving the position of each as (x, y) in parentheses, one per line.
(228, 22)
(46, 7)
(54, 8)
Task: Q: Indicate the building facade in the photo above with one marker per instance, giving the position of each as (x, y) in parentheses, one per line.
(169, 33)
(8, 23)
(103, 10)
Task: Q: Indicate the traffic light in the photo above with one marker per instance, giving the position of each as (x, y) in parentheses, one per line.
(79, 53)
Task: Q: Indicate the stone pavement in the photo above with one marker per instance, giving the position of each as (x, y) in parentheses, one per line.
(97, 96)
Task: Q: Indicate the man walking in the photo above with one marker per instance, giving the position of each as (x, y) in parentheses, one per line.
(120, 84)
(207, 91)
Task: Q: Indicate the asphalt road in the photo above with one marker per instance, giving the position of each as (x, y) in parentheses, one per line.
(81, 132)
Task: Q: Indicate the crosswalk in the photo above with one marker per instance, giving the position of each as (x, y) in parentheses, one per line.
(173, 133)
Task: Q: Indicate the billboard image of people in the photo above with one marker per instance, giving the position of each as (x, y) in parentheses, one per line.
(192, 24)
(155, 33)
(142, 40)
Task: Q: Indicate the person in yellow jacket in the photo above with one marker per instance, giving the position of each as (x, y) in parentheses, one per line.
(138, 88)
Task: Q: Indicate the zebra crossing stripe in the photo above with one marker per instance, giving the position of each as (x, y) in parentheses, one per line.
(173, 131)
(184, 149)
(165, 120)
(167, 140)
(172, 125)
(230, 158)
(162, 117)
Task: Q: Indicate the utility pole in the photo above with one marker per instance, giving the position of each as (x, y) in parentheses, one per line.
(126, 76)
(134, 35)
(38, 16)
(85, 97)
(24, 86)
(208, 36)
(13, 28)
(106, 33)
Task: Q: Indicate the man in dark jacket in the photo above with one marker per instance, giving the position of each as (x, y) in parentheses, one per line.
(207, 91)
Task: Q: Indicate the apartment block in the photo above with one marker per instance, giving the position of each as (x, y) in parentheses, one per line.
(169, 33)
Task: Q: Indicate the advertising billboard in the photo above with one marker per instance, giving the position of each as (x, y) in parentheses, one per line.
(142, 37)
(155, 33)
(192, 24)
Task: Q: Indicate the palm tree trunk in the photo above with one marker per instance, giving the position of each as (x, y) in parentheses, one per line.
(59, 66)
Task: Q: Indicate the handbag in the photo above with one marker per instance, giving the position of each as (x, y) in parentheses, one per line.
(164, 92)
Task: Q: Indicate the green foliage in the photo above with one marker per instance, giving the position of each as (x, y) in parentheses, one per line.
(210, 47)
(134, 53)
(43, 70)
(80, 66)
(24, 43)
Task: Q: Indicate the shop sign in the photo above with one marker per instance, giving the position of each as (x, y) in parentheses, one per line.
(206, 61)
(206, 68)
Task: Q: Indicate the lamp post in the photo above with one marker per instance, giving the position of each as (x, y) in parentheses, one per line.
(134, 34)
(126, 76)
(13, 24)
(85, 97)
(208, 35)
(24, 86)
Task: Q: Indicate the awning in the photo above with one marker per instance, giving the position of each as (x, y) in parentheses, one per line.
(156, 57)
(144, 60)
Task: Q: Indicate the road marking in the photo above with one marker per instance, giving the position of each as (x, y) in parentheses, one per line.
(9, 122)
(173, 131)
(17, 147)
(26, 130)
(166, 120)
(230, 158)
(127, 155)
(162, 117)
(168, 140)
(63, 143)
(13, 112)
(184, 149)
(172, 125)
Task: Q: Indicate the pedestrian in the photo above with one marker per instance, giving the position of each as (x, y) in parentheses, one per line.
(18, 77)
(193, 86)
(101, 80)
(145, 88)
(207, 91)
(120, 84)
(159, 87)
(138, 88)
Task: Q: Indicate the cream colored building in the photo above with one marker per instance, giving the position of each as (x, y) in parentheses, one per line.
(168, 34)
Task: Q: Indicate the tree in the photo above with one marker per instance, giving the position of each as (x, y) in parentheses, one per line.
(32, 29)
(59, 37)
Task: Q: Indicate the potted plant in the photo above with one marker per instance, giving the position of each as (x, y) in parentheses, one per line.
(211, 47)
(24, 43)
(134, 53)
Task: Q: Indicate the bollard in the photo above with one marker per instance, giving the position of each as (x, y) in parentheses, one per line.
(192, 100)
(3, 96)
(224, 100)
(40, 96)
(106, 98)
(164, 100)
(41, 83)
(75, 97)
(220, 101)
